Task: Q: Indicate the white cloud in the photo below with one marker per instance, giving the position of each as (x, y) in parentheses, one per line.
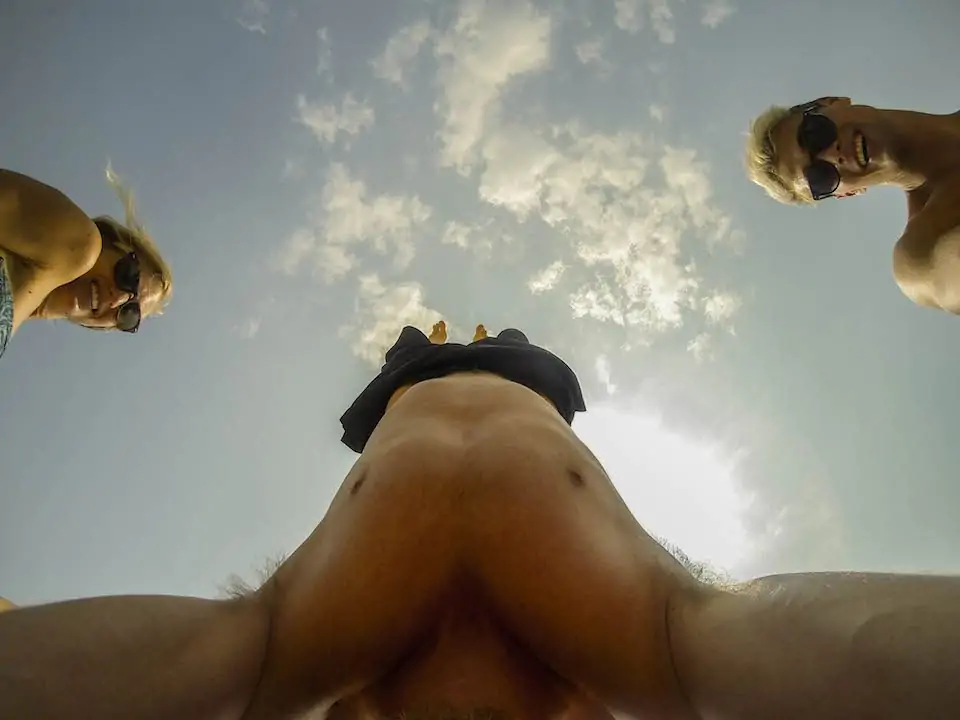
(602, 368)
(347, 219)
(720, 307)
(457, 233)
(716, 11)
(478, 237)
(515, 162)
(658, 112)
(324, 53)
(637, 211)
(292, 169)
(253, 16)
(701, 347)
(631, 16)
(628, 15)
(327, 122)
(489, 45)
(401, 49)
(547, 278)
(249, 329)
(381, 312)
(590, 52)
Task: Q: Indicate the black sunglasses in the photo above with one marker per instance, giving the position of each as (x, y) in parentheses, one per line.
(815, 134)
(126, 276)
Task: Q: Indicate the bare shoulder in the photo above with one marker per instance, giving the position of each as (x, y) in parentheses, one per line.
(926, 258)
(42, 226)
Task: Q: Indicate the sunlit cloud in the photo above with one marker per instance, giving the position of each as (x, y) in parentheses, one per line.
(632, 16)
(602, 368)
(716, 11)
(632, 219)
(720, 307)
(683, 488)
(488, 46)
(479, 237)
(249, 329)
(547, 278)
(637, 211)
(380, 312)
(327, 121)
(590, 52)
(324, 53)
(253, 16)
(348, 221)
(393, 64)
(701, 347)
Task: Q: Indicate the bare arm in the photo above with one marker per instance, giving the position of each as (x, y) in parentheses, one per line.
(823, 646)
(136, 657)
(41, 225)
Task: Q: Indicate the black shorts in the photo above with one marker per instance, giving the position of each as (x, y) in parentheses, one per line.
(414, 358)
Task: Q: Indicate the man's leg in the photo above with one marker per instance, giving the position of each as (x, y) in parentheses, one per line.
(830, 646)
(141, 657)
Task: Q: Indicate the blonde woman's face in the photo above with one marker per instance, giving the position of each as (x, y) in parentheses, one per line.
(112, 295)
(853, 140)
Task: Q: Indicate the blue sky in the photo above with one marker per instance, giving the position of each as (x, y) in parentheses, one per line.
(320, 174)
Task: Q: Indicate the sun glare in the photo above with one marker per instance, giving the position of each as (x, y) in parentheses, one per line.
(681, 489)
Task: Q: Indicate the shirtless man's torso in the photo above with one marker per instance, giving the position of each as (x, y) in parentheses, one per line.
(478, 564)
(476, 556)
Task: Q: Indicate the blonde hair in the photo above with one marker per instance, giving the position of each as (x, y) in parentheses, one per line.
(133, 236)
(761, 158)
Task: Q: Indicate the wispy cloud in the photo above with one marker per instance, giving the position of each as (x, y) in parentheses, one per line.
(547, 278)
(253, 16)
(632, 15)
(380, 312)
(293, 169)
(720, 307)
(324, 53)
(716, 11)
(638, 211)
(631, 217)
(479, 237)
(349, 220)
(249, 329)
(402, 48)
(328, 122)
(604, 374)
(590, 52)
(479, 55)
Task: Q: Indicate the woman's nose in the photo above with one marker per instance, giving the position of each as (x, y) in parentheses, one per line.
(833, 154)
(118, 297)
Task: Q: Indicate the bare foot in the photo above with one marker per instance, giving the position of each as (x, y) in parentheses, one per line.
(438, 335)
(480, 334)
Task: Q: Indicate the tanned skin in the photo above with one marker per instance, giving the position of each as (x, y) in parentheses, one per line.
(478, 556)
(918, 152)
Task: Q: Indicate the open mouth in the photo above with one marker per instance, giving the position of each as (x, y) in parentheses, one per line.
(862, 152)
(94, 296)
